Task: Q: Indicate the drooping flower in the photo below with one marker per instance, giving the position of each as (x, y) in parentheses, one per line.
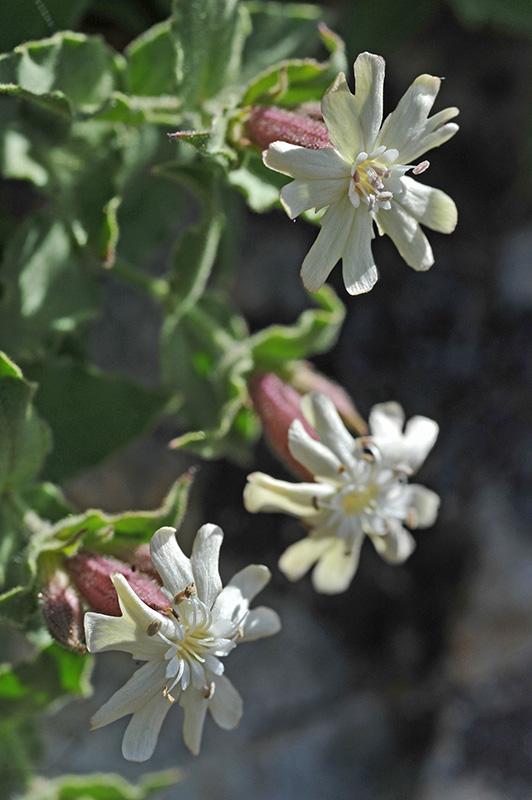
(361, 180)
(360, 489)
(182, 649)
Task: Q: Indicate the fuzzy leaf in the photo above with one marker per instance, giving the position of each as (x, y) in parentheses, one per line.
(24, 437)
(279, 31)
(25, 690)
(48, 289)
(100, 786)
(152, 62)
(315, 332)
(91, 413)
(209, 36)
(82, 68)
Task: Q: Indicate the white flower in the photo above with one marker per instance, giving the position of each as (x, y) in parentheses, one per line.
(360, 490)
(182, 650)
(362, 178)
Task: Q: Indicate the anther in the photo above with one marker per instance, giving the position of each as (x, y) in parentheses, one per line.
(422, 167)
(315, 502)
(209, 690)
(168, 696)
(153, 627)
(185, 594)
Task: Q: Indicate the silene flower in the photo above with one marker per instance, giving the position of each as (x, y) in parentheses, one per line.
(360, 489)
(361, 180)
(183, 647)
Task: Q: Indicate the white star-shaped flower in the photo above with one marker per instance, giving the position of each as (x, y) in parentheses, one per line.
(360, 490)
(182, 649)
(362, 180)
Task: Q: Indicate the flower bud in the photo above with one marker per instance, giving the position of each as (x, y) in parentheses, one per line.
(278, 405)
(305, 378)
(62, 612)
(267, 124)
(140, 559)
(91, 572)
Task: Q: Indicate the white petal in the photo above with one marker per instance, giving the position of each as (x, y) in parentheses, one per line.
(144, 684)
(321, 413)
(263, 493)
(103, 633)
(170, 561)
(204, 562)
(226, 704)
(425, 504)
(340, 115)
(407, 236)
(431, 207)
(301, 556)
(396, 546)
(386, 420)
(336, 568)
(359, 271)
(329, 246)
(369, 82)
(305, 164)
(261, 622)
(233, 601)
(195, 707)
(136, 609)
(299, 196)
(406, 450)
(312, 454)
(143, 730)
(405, 126)
(420, 435)
(251, 580)
(435, 132)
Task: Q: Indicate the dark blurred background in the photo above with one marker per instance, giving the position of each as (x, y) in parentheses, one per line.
(416, 683)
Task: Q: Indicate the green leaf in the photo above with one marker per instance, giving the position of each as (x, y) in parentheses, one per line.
(100, 786)
(33, 21)
(112, 533)
(205, 359)
(95, 529)
(280, 31)
(55, 102)
(259, 185)
(316, 331)
(82, 68)
(48, 289)
(46, 500)
(511, 15)
(152, 63)
(91, 413)
(289, 83)
(209, 36)
(24, 437)
(27, 689)
(139, 110)
(54, 673)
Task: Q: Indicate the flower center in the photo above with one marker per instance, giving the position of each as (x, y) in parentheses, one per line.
(355, 501)
(376, 177)
(369, 178)
(194, 647)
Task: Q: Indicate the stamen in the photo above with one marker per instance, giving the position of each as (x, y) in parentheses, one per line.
(422, 167)
(209, 690)
(185, 594)
(168, 696)
(153, 627)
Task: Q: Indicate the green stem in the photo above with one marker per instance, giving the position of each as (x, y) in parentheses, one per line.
(157, 288)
